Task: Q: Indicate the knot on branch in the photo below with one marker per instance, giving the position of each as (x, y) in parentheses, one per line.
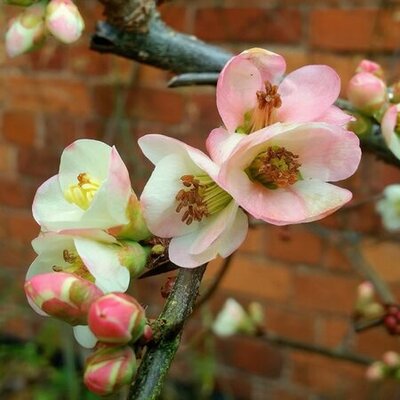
(131, 15)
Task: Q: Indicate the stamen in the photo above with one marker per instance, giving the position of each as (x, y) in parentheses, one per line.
(83, 192)
(76, 266)
(200, 198)
(275, 168)
(262, 115)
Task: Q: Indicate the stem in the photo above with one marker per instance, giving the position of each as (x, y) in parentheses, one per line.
(160, 353)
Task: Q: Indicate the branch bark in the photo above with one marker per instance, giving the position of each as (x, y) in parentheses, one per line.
(160, 353)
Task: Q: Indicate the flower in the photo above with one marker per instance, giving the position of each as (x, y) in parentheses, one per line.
(279, 173)
(389, 207)
(104, 261)
(390, 129)
(183, 200)
(252, 93)
(232, 319)
(91, 191)
(64, 21)
(376, 371)
(62, 295)
(109, 368)
(116, 318)
(26, 31)
(366, 92)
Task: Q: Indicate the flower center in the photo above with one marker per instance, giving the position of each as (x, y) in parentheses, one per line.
(261, 115)
(76, 266)
(200, 198)
(83, 192)
(275, 168)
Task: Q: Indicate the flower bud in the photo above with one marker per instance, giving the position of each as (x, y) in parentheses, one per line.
(366, 92)
(26, 31)
(233, 319)
(391, 359)
(376, 371)
(109, 368)
(64, 21)
(133, 256)
(370, 67)
(62, 295)
(116, 318)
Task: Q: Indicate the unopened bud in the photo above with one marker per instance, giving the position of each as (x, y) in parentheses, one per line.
(136, 229)
(26, 31)
(62, 295)
(133, 256)
(116, 318)
(370, 67)
(391, 359)
(256, 313)
(64, 21)
(366, 92)
(376, 371)
(109, 368)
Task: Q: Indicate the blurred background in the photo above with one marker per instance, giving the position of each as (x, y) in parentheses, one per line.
(303, 279)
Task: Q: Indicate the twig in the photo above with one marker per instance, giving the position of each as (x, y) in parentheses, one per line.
(216, 282)
(160, 353)
(337, 353)
(193, 79)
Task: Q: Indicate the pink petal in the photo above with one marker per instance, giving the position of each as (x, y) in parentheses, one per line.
(307, 93)
(388, 127)
(220, 144)
(335, 116)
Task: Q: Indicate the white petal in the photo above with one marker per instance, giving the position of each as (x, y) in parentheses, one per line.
(84, 336)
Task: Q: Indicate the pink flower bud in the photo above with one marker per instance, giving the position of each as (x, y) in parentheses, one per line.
(365, 291)
(116, 318)
(62, 295)
(109, 368)
(366, 92)
(391, 359)
(64, 21)
(26, 30)
(370, 67)
(375, 372)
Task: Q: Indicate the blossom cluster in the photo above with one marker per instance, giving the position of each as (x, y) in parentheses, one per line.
(60, 18)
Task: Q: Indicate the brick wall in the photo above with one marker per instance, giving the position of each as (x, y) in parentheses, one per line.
(54, 96)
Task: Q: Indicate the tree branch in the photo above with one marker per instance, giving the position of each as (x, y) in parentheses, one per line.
(160, 353)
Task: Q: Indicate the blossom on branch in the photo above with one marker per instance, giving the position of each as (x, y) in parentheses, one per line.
(389, 207)
(280, 173)
(183, 200)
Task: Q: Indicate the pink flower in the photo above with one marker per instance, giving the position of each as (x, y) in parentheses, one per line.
(366, 92)
(62, 295)
(279, 173)
(91, 191)
(252, 93)
(183, 200)
(26, 30)
(116, 318)
(109, 368)
(390, 129)
(64, 21)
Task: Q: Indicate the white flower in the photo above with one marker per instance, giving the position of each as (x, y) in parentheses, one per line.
(389, 207)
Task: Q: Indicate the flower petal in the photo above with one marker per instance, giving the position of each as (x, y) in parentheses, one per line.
(220, 144)
(335, 116)
(388, 126)
(84, 336)
(103, 263)
(307, 93)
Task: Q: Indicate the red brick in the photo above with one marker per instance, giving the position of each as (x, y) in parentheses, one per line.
(52, 56)
(22, 227)
(325, 293)
(354, 29)
(59, 131)
(374, 342)
(49, 95)
(16, 194)
(293, 244)
(19, 127)
(252, 355)
(335, 260)
(8, 158)
(257, 277)
(333, 331)
(149, 76)
(234, 383)
(249, 24)
(39, 163)
(255, 241)
(174, 16)
(82, 60)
